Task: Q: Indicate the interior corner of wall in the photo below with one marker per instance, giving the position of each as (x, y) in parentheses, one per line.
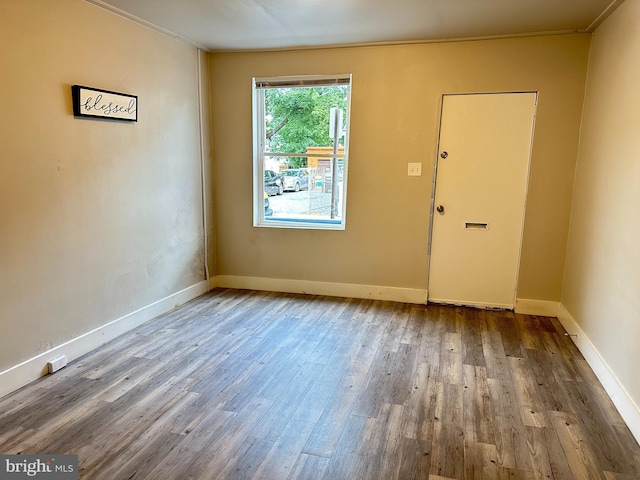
(627, 407)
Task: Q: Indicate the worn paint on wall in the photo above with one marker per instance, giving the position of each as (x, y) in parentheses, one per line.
(97, 218)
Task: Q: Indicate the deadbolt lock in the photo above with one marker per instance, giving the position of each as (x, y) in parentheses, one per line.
(440, 209)
(444, 155)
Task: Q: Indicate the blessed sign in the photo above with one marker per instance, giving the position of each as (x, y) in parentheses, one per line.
(93, 102)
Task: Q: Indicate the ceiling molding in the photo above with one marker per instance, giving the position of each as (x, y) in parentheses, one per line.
(145, 23)
(603, 16)
(399, 42)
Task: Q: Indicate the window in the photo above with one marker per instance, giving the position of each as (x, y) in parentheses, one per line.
(300, 132)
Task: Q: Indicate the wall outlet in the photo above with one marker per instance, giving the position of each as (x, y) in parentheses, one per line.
(415, 169)
(57, 363)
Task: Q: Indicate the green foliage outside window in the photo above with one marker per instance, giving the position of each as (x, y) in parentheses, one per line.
(297, 118)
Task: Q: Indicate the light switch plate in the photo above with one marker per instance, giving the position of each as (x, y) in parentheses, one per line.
(415, 169)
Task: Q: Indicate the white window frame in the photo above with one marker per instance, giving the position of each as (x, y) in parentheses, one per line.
(259, 84)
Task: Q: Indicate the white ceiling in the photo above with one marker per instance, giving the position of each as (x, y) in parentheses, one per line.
(216, 25)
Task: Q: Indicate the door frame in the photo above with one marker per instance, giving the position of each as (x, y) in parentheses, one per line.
(435, 179)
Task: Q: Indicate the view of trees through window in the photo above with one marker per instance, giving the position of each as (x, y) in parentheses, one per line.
(297, 118)
(296, 155)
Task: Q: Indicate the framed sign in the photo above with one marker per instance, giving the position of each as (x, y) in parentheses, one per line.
(97, 103)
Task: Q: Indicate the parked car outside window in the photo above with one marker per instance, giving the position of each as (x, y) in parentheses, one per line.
(273, 183)
(267, 209)
(295, 179)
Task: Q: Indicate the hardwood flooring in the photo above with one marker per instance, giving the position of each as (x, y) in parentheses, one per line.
(254, 385)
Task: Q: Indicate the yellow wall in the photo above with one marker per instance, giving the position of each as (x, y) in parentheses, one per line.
(394, 120)
(602, 277)
(97, 218)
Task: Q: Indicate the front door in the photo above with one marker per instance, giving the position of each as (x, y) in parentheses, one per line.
(479, 198)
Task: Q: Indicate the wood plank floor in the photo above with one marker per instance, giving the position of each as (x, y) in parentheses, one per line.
(254, 385)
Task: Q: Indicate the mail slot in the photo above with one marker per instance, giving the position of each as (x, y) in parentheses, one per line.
(476, 226)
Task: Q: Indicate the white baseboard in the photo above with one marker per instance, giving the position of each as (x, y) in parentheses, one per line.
(396, 294)
(542, 308)
(35, 367)
(627, 408)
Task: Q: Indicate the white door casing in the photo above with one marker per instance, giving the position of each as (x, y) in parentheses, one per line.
(481, 186)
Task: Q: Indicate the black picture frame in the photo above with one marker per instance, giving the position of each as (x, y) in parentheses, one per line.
(104, 104)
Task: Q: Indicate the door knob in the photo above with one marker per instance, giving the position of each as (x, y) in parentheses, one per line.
(440, 209)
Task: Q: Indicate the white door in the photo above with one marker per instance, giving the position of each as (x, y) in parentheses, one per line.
(479, 200)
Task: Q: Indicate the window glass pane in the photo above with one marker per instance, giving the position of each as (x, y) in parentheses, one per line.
(298, 118)
(303, 171)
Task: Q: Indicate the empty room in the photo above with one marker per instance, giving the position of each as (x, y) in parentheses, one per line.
(319, 240)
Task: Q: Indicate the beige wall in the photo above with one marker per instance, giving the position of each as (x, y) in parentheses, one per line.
(97, 218)
(395, 113)
(602, 276)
